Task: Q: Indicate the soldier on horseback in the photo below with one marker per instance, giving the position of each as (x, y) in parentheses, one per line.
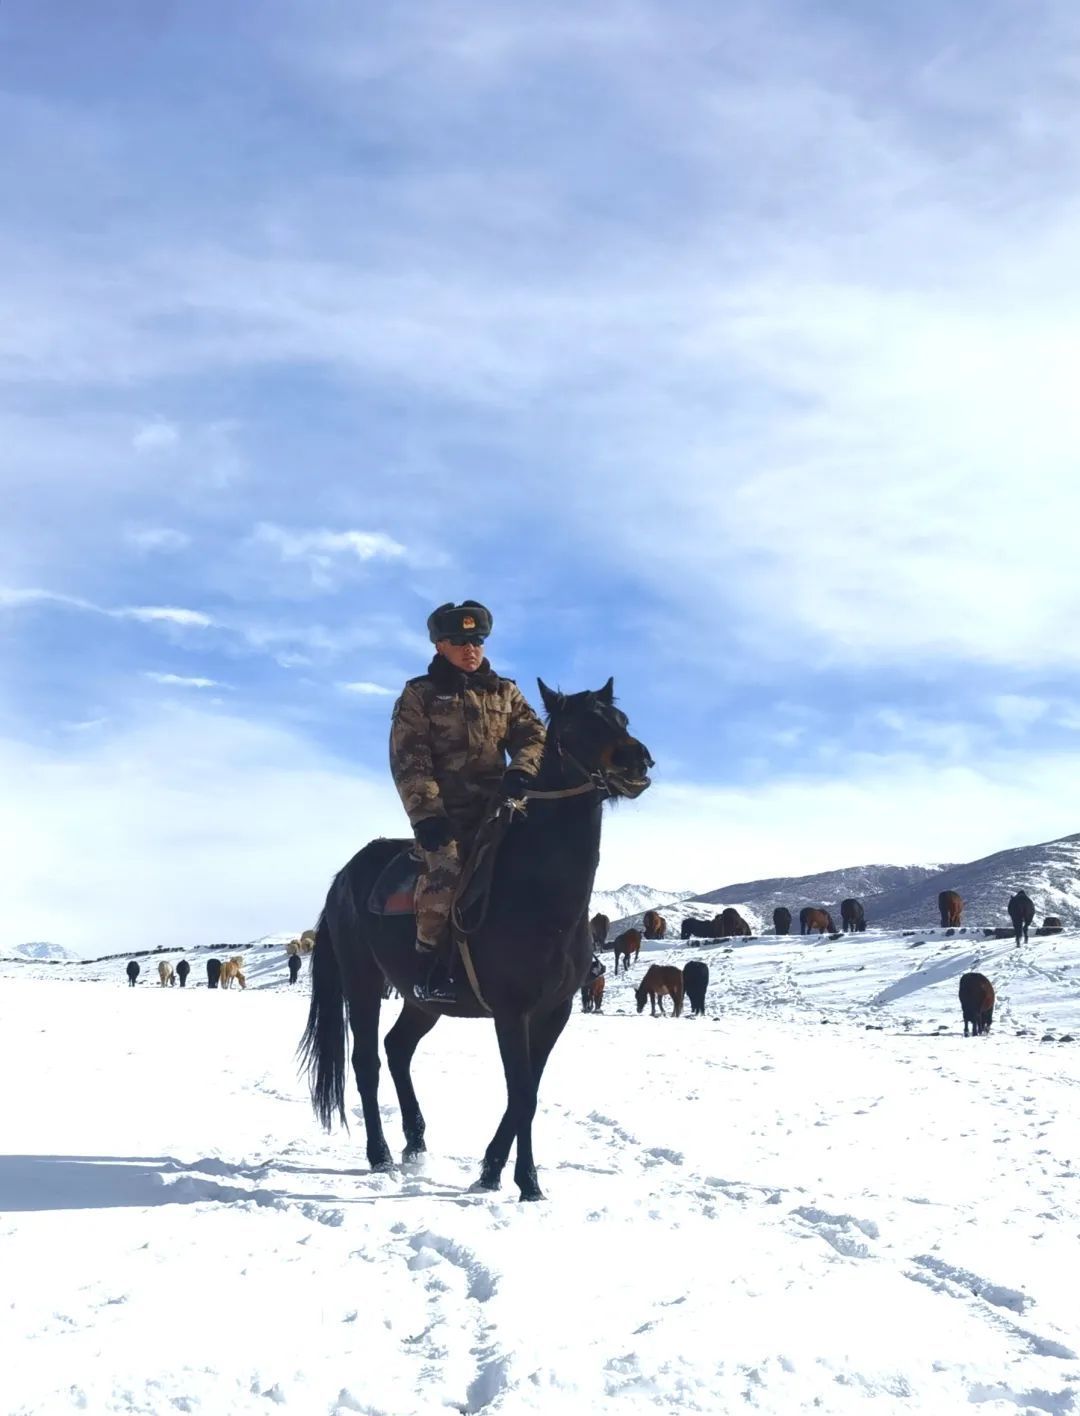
(452, 730)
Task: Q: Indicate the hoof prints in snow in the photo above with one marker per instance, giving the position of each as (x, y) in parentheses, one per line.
(836, 1229)
(1058, 1402)
(994, 1293)
(432, 1247)
(960, 1283)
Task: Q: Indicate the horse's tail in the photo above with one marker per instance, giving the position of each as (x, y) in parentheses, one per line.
(322, 1047)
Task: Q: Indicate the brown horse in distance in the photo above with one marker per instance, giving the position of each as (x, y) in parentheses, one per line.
(976, 1003)
(626, 943)
(852, 916)
(781, 918)
(599, 926)
(733, 924)
(660, 981)
(1022, 913)
(592, 995)
(952, 907)
(655, 925)
(811, 918)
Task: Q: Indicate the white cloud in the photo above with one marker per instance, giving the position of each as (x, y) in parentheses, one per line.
(164, 614)
(187, 827)
(367, 690)
(157, 538)
(11, 597)
(14, 598)
(1018, 711)
(155, 436)
(181, 680)
(324, 559)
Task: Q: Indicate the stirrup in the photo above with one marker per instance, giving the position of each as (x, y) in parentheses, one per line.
(438, 987)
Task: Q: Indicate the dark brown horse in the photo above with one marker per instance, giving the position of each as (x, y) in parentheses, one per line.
(852, 916)
(132, 972)
(732, 924)
(692, 928)
(626, 943)
(977, 1003)
(811, 918)
(654, 925)
(660, 981)
(530, 951)
(1022, 914)
(695, 983)
(952, 907)
(781, 918)
(599, 925)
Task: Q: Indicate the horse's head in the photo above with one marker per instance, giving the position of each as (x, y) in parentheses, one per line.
(588, 729)
(640, 994)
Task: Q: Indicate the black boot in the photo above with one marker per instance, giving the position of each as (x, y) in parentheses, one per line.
(438, 986)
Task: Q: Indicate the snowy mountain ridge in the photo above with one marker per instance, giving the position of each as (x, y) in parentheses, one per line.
(41, 951)
(633, 899)
(900, 896)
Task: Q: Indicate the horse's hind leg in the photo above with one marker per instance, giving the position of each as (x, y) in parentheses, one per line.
(362, 982)
(400, 1043)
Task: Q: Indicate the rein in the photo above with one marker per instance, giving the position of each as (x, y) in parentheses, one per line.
(481, 861)
(594, 781)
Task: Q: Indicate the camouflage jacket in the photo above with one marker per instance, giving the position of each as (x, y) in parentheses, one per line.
(449, 738)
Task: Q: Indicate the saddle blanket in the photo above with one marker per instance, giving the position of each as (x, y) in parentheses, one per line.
(395, 885)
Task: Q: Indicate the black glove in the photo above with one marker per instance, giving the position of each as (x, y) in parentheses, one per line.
(515, 784)
(434, 833)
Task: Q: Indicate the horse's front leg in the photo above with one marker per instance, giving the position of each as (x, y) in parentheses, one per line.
(525, 1047)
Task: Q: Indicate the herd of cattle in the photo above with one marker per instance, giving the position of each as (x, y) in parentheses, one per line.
(667, 981)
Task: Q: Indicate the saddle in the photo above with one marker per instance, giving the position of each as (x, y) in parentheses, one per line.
(394, 890)
(395, 885)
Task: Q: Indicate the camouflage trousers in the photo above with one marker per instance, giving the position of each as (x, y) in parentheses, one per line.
(435, 889)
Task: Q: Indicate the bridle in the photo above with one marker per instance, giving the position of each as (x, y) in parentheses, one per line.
(594, 781)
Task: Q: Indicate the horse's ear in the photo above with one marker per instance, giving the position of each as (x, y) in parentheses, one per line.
(607, 693)
(552, 701)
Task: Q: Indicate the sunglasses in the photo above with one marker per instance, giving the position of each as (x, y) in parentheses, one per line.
(460, 640)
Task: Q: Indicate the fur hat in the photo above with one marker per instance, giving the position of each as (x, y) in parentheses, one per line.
(470, 617)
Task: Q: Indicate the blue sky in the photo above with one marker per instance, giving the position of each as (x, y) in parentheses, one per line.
(728, 351)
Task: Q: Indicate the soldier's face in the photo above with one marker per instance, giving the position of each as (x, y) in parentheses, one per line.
(466, 657)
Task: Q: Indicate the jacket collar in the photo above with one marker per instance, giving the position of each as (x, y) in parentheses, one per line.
(450, 680)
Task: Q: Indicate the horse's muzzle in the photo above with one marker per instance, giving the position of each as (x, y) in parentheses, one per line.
(629, 771)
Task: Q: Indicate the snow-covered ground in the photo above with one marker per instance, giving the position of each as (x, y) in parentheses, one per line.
(778, 1207)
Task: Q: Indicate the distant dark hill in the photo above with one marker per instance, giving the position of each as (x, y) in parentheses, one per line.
(828, 888)
(905, 896)
(1049, 872)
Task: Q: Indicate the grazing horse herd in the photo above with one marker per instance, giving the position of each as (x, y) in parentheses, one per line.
(223, 973)
(666, 981)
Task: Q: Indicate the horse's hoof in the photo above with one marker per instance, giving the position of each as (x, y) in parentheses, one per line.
(527, 1196)
(383, 1167)
(485, 1185)
(414, 1156)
